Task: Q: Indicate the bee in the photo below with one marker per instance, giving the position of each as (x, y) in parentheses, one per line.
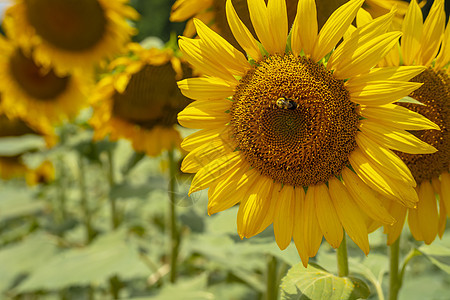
(286, 103)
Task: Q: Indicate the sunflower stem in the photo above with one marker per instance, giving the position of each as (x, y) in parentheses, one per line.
(174, 234)
(112, 201)
(394, 279)
(342, 258)
(272, 286)
(84, 202)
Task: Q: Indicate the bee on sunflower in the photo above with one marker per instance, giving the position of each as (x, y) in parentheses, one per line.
(321, 167)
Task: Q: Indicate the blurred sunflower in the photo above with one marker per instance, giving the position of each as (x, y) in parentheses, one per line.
(378, 8)
(283, 133)
(140, 100)
(72, 34)
(37, 93)
(212, 12)
(420, 45)
(13, 166)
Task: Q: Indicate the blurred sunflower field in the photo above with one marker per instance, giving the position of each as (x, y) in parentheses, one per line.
(224, 149)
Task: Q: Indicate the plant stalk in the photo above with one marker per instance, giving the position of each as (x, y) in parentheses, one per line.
(272, 278)
(342, 258)
(112, 201)
(174, 233)
(84, 202)
(394, 279)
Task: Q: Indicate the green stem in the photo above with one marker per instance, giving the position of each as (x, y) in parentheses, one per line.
(394, 279)
(112, 201)
(342, 258)
(174, 234)
(272, 286)
(84, 202)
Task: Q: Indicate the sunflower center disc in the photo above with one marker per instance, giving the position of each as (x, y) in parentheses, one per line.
(298, 146)
(435, 95)
(37, 83)
(151, 97)
(72, 25)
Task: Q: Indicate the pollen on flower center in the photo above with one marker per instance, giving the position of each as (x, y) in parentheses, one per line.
(151, 97)
(435, 95)
(35, 81)
(301, 146)
(73, 25)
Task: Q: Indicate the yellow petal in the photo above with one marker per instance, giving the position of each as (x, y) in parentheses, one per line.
(366, 198)
(445, 190)
(206, 88)
(214, 171)
(403, 73)
(444, 54)
(334, 28)
(228, 192)
(304, 29)
(380, 182)
(433, 30)
(366, 56)
(278, 24)
(241, 33)
(349, 214)
(201, 156)
(384, 158)
(414, 226)
(298, 235)
(226, 55)
(205, 136)
(254, 207)
(260, 20)
(395, 139)
(427, 212)
(192, 117)
(202, 59)
(310, 224)
(363, 17)
(327, 217)
(398, 117)
(381, 92)
(185, 9)
(412, 32)
(283, 221)
(442, 214)
(398, 211)
(357, 39)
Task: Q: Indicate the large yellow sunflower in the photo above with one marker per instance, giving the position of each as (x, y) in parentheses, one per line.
(212, 12)
(140, 100)
(71, 34)
(37, 93)
(420, 46)
(300, 141)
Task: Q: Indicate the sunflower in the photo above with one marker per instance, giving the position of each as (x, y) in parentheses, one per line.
(13, 166)
(381, 7)
(420, 46)
(300, 141)
(72, 34)
(213, 12)
(140, 100)
(37, 93)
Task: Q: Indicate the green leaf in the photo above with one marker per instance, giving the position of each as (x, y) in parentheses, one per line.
(16, 203)
(439, 255)
(111, 254)
(11, 146)
(316, 283)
